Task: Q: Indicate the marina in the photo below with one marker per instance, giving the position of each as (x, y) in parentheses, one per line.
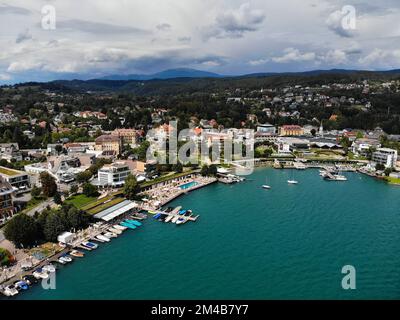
(95, 238)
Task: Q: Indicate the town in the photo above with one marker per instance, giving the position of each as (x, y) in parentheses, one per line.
(76, 160)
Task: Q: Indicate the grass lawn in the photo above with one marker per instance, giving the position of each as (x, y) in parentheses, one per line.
(105, 206)
(393, 180)
(80, 200)
(5, 257)
(8, 172)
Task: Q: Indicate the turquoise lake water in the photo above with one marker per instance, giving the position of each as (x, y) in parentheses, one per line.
(289, 242)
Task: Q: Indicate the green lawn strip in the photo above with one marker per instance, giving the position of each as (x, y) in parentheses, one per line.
(105, 206)
(392, 180)
(96, 202)
(80, 200)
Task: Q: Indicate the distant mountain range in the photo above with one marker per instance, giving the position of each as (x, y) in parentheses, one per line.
(193, 73)
(166, 74)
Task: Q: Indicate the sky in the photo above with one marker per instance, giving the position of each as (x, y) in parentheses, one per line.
(43, 40)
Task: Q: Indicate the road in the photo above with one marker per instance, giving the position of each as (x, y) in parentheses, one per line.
(41, 207)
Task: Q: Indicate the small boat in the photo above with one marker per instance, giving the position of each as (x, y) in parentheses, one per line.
(119, 227)
(103, 238)
(264, 186)
(49, 268)
(21, 285)
(89, 245)
(292, 182)
(115, 231)
(169, 218)
(10, 291)
(182, 212)
(128, 225)
(76, 253)
(157, 216)
(40, 274)
(110, 235)
(29, 279)
(65, 259)
(175, 219)
(180, 221)
(134, 222)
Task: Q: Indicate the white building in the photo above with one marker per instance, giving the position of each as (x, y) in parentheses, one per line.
(385, 156)
(113, 174)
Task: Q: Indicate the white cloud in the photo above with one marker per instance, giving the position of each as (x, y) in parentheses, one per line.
(294, 55)
(258, 62)
(235, 23)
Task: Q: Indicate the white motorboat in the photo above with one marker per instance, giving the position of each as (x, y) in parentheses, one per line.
(175, 219)
(119, 227)
(103, 238)
(10, 291)
(40, 274)
(116, 231)
(49, 268)
(264, 186)
(292, 182)
(180, 221)
(90, 245)
(65, 258)
(110, 235)
(169, 218)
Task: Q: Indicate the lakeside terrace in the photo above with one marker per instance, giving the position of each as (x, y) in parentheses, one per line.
(160, 194)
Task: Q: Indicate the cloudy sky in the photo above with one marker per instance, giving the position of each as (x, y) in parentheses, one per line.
(101, 37)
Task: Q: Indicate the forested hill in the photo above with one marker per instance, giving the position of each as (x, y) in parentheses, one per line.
(193, 85)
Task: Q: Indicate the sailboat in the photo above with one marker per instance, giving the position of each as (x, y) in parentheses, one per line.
(265, 186)
(292, 181)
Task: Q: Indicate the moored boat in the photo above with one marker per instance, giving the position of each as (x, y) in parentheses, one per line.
(134, 222)
(40, 274)
(110, 235)
(180, 221)
(21, 285)
(175, 219)
(76, 253)
(103, 238)
(128, 225)
(119, 227)
(49, 268)
(10, 291)
(169, 218)
(116, 231)
(89, 245)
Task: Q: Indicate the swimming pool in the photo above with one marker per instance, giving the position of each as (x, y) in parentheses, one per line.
(188, 185)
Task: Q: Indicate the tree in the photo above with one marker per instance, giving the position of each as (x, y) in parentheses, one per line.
(89, 190)
(388, 171)
(177, 167)
(35, 192)
(54, 226)
(49, 186)
(131, 187)
(77, 219)
(204, 170)
(313, 132)
(59, 148)
(379, 167)
(57, 198)
(212, 170)
(74, 189)
(22, 230)
(84, 176)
